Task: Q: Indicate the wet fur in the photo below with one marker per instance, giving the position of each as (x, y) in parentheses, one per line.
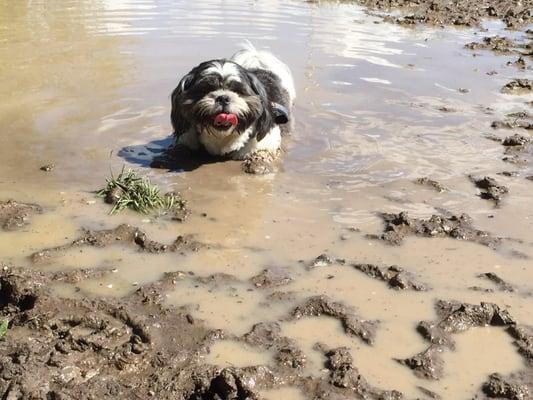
(250, 90)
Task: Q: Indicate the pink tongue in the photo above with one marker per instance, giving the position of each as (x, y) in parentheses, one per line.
(225, 119)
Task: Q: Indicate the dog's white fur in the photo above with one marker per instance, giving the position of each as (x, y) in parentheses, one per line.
(229, 142)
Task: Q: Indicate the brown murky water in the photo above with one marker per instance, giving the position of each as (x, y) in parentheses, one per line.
(85, 85)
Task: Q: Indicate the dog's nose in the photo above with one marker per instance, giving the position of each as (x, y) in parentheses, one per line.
(223, 99)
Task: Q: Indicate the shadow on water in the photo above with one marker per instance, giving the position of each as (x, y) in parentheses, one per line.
(162, 153)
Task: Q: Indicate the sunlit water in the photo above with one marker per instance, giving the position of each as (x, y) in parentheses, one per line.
(85, 85)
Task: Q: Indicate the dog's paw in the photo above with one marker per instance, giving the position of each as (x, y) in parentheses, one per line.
(260, 163)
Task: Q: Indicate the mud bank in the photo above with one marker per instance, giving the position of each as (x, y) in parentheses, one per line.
(463, 13)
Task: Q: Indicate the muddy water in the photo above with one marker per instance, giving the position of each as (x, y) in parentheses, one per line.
(85, 85)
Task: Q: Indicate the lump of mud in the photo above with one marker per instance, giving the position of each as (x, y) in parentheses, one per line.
(271, 277)
(431, 183)
(323, 260)
(520, 123)
(506, 388)
(123, 234)
(499, 282)
(516, 140)
(322, 305)
(344, 375)
(394, 276)
(15, 215)
(519, 63)
(19, 290)
(457, 317)
(518, 86)
(260, 163)
(497, 44)
(268, 336)
(397, 226)
(427, 364)
(490, 189)
(523, 336)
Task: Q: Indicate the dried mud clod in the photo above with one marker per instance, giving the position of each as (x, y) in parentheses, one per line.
(397, 226)
(394, 276)
(15, 215)
(428, 364)
(518, 86)
(490, 189)
(352, 324)
(125, 235)
(431, 183)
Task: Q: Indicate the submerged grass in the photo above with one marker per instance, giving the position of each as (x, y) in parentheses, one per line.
(129, 190)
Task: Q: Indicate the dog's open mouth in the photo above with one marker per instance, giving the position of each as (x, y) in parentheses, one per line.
(225, 121)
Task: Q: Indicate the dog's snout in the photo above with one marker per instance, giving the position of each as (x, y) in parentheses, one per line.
(223, 99)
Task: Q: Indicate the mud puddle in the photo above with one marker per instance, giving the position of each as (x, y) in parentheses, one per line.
(279, 286)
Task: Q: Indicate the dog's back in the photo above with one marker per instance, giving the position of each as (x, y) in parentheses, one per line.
(252, 59)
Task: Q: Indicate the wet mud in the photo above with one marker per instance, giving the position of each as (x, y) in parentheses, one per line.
(15, 215)
(439, 187)
(490, 189)
(59, 348)
(398, 226)
(351, 322)
(394, 276)
(257, 239)
(121, 235)
(454, 318)
(464, 13)
(518, 87)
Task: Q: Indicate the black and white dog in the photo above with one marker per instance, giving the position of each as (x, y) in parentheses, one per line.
(234, 107)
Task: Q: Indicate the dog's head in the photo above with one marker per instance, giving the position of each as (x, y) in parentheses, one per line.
(221, 98)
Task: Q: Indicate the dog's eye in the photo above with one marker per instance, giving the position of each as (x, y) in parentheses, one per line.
(206, 87)
(236, 87)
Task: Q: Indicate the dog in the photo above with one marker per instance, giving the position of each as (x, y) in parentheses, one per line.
(234, 108)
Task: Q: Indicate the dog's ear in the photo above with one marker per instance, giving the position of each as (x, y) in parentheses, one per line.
(265, 122)
(179, 123)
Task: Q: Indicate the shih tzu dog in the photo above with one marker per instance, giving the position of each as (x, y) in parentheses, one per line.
(237, 108)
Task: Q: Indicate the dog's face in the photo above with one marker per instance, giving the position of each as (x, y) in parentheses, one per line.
(220, 98)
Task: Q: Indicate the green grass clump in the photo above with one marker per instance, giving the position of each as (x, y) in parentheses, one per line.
(4, 326)
(128, 190)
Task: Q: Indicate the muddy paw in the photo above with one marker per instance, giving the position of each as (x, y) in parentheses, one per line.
(260, 163)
